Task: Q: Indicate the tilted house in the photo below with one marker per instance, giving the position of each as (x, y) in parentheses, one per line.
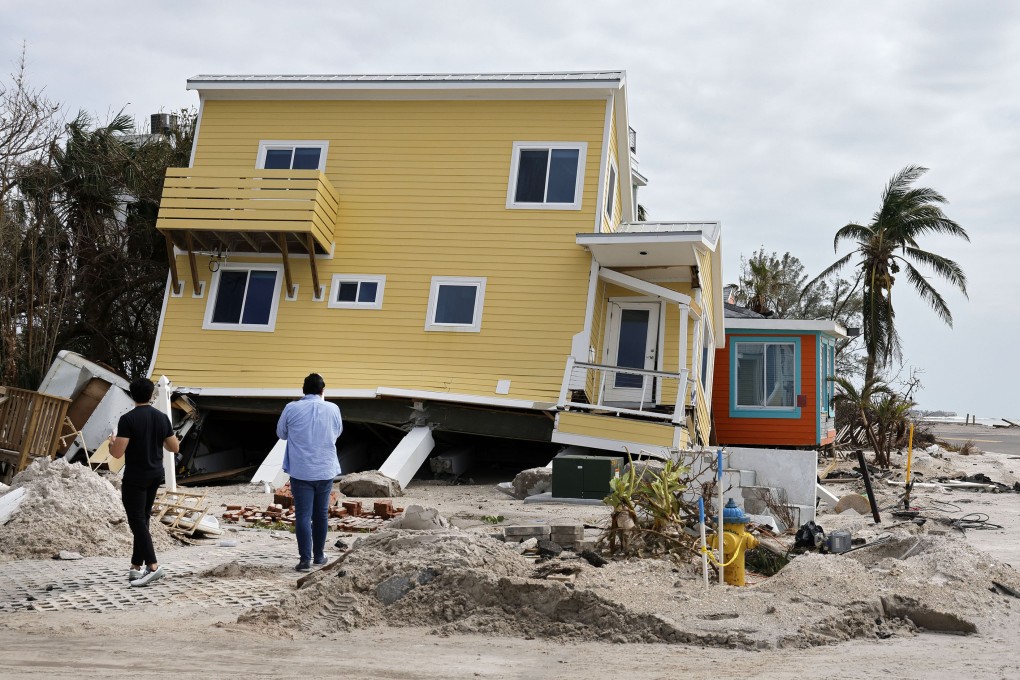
(457, 252)
(772, 385)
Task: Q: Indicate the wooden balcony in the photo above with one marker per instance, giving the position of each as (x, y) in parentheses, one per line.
(30, 427)
(235, 210)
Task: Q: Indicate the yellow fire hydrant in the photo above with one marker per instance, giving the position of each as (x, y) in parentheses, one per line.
(736, 542)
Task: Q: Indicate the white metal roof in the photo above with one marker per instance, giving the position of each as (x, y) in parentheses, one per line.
(523, 77)
(709, 230)
(825, 326)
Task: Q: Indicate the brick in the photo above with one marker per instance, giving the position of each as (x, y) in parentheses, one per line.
(352, 507)
(233, 507)
(382, 508)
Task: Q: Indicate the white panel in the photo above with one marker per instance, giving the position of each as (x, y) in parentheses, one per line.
(409, 455)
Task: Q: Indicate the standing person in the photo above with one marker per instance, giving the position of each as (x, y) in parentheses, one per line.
(311, 427)
(142, 434)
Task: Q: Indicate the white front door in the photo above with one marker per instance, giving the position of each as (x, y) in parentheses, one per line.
(633, 343)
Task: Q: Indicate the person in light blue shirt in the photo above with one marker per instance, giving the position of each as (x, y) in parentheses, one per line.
(311, 427)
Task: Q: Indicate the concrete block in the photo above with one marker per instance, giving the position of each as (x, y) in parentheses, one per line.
(828, 498)
(409, 455)
(526, 531)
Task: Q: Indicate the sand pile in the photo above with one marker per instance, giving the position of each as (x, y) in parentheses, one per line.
(69, 507)
(455, 582)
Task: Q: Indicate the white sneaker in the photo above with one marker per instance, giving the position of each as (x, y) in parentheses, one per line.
(135, 574)
(149, 577)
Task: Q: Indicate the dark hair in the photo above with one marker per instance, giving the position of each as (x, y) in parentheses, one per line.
(141, 390)
(314, 384)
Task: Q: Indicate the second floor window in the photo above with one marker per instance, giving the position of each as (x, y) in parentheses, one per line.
(546, 175)
(292, 155)
(244, 298)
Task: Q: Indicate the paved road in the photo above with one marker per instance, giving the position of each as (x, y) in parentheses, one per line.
(994, 439)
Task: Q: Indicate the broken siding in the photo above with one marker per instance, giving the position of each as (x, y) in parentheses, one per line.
(616, 428)
(423, 189)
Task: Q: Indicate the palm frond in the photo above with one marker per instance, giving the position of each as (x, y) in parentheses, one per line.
(929, 294)
(942, 266)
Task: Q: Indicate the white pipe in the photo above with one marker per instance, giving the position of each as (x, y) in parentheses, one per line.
(704, 542)
(719, 528)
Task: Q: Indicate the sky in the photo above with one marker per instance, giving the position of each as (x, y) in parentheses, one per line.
(782, 119)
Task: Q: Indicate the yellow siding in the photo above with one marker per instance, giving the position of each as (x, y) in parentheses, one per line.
(597, 338)
(612, 222)
(616, 429)
(708, 284)
(422, 188)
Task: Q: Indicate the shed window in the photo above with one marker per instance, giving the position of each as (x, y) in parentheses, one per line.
(766, 374)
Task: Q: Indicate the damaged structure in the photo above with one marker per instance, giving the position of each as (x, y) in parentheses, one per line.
(454, 254)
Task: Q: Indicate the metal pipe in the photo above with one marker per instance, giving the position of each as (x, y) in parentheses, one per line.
(719, 526)
(867, 486)
(704, 542)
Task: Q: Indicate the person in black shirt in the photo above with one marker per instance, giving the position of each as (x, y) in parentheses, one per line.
(141, 435)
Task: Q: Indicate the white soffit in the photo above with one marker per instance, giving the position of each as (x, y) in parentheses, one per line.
(806, 325)
(641, 250)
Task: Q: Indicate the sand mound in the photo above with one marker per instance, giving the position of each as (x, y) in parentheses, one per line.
(456, 583)
(69, 507)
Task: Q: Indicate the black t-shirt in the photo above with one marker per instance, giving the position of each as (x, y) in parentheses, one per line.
(145, 428)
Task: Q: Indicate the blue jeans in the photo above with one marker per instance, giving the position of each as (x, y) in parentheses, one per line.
(311, 510)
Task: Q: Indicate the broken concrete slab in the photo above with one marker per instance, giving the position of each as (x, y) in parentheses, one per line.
(523, 531)
(420, 518)
(369, 484)
(532, 481)
(855, 502)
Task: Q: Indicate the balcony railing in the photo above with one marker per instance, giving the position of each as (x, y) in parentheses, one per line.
(598, 379)
(248, 209)
(30, 425)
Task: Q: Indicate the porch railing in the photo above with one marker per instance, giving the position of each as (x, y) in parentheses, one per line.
(30, 425)
(596, 378)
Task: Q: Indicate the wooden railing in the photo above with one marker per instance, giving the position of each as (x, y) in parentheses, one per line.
(30, 425)
(225, 200)
(596, 377)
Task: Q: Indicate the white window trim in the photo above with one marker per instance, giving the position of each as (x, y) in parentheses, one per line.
(437, 281)
(334, 288)
(611, 190)
(267, 144)
(582, 149)
(765, 343)
(207, 323)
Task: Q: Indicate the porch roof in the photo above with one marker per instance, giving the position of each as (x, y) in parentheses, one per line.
(651, 244)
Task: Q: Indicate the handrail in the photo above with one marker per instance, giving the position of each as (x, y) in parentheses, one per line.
(598, 390)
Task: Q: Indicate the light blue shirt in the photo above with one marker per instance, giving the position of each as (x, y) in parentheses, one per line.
(310, 427)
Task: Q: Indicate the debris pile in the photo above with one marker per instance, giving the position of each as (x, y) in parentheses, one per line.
(457, 583)
(352, 515)
(69, 507)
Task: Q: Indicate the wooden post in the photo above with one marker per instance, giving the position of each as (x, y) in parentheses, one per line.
(286, 266)
(195, 283)
(316, 288)
(867, 485)
(177, 286)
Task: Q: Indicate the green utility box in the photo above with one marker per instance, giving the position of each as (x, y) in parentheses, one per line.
(584, 476)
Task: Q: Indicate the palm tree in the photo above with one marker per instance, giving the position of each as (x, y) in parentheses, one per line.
(863, 402)
(888, 244)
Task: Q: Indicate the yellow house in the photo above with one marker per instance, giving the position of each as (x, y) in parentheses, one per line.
(455, 251)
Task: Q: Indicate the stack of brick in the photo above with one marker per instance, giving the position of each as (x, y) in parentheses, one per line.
(283, 496)
(567, 535)
(275, 512)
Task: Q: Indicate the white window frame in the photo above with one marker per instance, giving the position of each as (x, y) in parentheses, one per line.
(582, 149)
(207, 323)
(736, 378)
(610, 201)
(267, 144)
(437, 282)
(334, 288)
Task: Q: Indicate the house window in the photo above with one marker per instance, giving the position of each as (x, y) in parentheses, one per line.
(455, 304)
(292, 155)
(546, 175)
(244, 298)
(766, 374)
(356, 291)
(611, 191)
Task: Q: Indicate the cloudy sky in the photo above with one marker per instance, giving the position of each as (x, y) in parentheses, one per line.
(782, 119)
